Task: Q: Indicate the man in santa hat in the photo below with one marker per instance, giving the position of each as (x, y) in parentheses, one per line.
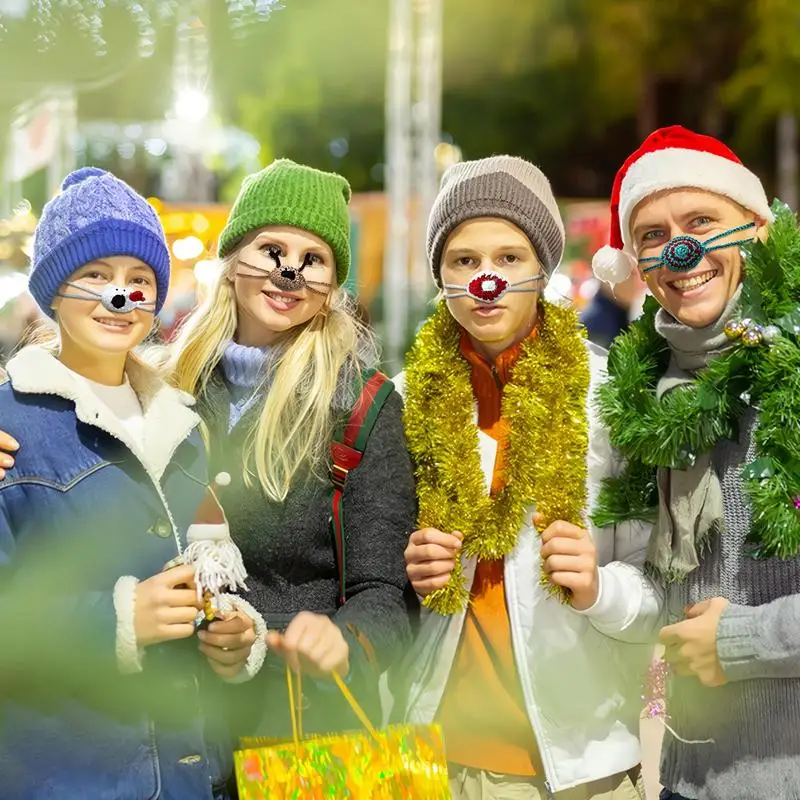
(703, 402)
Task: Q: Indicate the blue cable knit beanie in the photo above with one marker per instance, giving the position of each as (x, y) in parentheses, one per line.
(96, 216)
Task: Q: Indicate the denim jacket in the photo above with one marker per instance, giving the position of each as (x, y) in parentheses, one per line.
(85, 513)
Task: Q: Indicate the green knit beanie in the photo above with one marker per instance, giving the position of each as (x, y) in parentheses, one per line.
(285, 193)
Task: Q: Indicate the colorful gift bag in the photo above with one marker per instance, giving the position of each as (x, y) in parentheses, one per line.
(401, 762)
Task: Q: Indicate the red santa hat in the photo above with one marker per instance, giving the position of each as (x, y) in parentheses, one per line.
(672, 158)
(210, 549)
(210, 523)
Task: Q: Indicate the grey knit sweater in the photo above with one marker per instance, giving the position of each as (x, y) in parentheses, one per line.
(289, 552)
(754, 719)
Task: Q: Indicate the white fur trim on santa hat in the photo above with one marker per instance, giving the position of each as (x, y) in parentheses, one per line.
(611, 265)
(677, 168)
(207, 532)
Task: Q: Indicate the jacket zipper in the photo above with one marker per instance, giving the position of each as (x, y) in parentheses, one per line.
(527, 691)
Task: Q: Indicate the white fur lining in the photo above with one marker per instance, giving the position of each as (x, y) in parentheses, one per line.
(676, 168)
(168, 418)
(258, 652)
(129, 654)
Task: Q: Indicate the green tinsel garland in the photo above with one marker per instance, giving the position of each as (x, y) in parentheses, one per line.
(691, 420)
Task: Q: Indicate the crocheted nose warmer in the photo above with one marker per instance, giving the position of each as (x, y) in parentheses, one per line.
(116, 299)
(489, 287)
(285, 278)
(683, 253)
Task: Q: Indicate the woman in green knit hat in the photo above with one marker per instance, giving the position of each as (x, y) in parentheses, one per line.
(277, 359)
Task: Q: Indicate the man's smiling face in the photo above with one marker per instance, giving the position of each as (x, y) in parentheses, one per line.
(698, 297)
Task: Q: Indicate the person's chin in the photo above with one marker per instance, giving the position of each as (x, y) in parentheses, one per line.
(116, 342)
(487, 328)
(696, 306)
(280, 322)
(701, 314)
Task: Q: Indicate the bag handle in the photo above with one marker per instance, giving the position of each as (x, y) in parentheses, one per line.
(296, 703)
(353, 703)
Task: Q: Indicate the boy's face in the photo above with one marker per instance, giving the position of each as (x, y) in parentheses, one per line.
(483, 244)
(698, 297)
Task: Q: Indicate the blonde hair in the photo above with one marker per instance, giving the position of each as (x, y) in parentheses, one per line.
(318, 368)
(40, 333)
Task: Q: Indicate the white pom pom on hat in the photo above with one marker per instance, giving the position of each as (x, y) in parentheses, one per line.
(611, 265)
(672, 158)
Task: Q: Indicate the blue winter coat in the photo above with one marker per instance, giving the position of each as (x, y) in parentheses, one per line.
(84, 505)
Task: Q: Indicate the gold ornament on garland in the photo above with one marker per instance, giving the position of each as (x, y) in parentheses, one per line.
(544, 404)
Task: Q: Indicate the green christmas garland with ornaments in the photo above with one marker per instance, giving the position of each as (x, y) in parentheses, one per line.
(761, 370)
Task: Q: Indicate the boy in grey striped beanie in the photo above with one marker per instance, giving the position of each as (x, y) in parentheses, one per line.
(500, 187)
(526, 720)
(496, 235)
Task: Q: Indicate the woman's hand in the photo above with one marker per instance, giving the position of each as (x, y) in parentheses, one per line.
(312, 644)
(165, 609)
(227, 642)
(8, 445)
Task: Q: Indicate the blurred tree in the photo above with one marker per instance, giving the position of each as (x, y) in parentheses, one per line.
(765, 84)
(664, 62)
(570, 84)
(727, 67)
(764, 89)
(71, 56)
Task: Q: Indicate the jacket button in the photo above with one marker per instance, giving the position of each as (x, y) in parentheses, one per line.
(189, 760)
(161, 529)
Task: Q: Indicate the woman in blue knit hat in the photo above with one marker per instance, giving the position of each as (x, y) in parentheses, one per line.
(106, 483)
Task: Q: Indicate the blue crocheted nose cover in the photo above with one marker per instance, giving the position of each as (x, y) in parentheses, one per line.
(682, 253)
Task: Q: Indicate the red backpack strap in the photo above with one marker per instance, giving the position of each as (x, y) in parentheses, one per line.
(347, 449)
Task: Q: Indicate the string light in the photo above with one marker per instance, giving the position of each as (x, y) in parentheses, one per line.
(87, 16)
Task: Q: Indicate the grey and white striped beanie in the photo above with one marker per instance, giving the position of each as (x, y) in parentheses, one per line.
(506, 187)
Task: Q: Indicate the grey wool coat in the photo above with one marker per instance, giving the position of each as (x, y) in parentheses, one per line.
(288, 549)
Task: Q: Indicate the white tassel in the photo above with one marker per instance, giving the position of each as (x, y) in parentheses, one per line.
(218, 566)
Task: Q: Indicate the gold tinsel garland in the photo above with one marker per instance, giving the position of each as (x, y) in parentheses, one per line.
(544, 404)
